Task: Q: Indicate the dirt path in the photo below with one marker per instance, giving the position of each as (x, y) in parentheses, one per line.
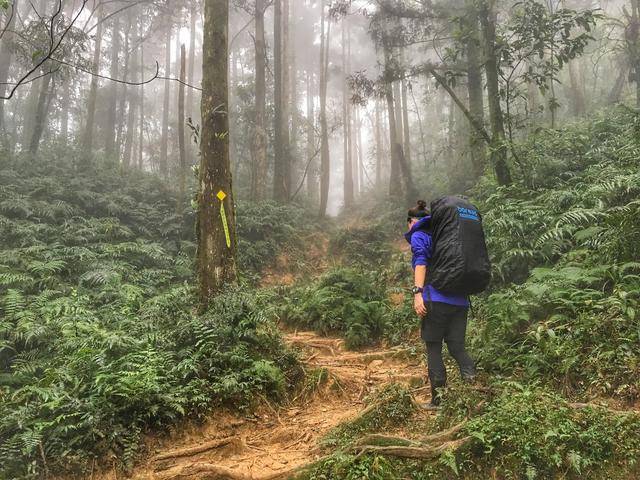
(273, 443)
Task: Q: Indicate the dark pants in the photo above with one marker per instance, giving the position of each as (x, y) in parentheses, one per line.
(449, 323)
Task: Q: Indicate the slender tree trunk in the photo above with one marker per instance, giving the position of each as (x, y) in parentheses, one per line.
(64, 111)
(190, 107)
(325, 161)
(164, 140)
(141, 100)
(87, 139)
(293, 144)
(181, 119)
(346, 119)
(379, 145)
(498, 140)
(132, 98)
(577, 97)
(394, 173)
(40, 119)
(312, 171)
(361, 170)
(5, 63)
(474, 88)
(278, 147)
(110, 130)
(216, 217)
(286, 107)
(259, 170)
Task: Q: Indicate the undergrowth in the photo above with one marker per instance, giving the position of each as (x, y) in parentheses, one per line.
(99, 340)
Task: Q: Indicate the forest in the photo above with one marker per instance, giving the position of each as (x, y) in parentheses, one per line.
(208, 271)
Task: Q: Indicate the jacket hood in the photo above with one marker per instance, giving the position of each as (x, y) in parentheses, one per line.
(423, 224)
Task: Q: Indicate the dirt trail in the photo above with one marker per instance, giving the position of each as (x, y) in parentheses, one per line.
(274, 443)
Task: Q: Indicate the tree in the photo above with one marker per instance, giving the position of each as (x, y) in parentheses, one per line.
(346, 119)
(164, 140)
(259, 145)
(181, 144)
(110, 130)
(498, 139)
(216, 256)
(325, 160)
(87, 139)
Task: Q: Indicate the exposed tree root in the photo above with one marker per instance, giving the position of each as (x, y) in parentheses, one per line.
(422, 452)
(613, 411)
(201, 471)
(187, 452)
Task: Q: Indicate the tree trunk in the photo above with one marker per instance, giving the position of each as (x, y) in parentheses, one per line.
(379, 146)
(325, 161)
(190, 107)
(87, 138)
(577, 97)
(282, 172)
(394, 173)
(40, 118)
(346, 119)
(634, 39)
(5, 62)
(131, 113)
(64, 111)
(181, 143)
(164, 140)
(259, 150)
(286, 107)
(216, 216)
(498, 139)
(110, 130)
(361, 170)
(141, 100)
(312, 170)
(293, 143)
(474, 89)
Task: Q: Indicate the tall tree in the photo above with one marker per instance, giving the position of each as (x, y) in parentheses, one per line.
(216, 216)
(487, 14)
(259, 146)
(346, 119)
(325, 160)
(110, 130)
(5, 62)
(164, 139)
(87, 138)
(474, 86)
(312, 164)
(181, 119)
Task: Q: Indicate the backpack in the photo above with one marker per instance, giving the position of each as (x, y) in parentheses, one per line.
(459, 261)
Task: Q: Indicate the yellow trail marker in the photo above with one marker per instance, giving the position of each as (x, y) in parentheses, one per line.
(223, 215)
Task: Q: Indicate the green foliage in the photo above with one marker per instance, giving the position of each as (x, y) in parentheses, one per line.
(391, 406)
(573, 246)
(366, 246)
(98, 339)
(531, 433)
(344, 300)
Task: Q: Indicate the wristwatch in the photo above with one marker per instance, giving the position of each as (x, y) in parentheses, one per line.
(416, 290)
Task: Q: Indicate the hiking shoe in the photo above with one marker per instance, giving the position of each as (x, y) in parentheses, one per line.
(430, 406)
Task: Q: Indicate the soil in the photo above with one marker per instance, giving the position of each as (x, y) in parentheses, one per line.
(275, 441)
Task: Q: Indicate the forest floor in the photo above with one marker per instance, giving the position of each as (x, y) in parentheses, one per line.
(277, 441)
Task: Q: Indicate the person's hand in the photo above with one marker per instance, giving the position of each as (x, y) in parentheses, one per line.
(419, 306)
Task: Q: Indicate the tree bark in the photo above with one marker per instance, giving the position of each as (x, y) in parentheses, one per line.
(5, 62)
(181, 143)
(325, 161)
(40, 118)
(216, 244)
(394, 173)
(132, 99)
(346, 119)
(259, 150)
(110, 130)
(312, 171)
(282, 173)
(164, 140)
(293, 141)
(474, 89)
(87, 139)
(498, 138)
(379, 146)
(141, 132)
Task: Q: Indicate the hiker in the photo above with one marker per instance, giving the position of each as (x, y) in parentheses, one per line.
(444, 313)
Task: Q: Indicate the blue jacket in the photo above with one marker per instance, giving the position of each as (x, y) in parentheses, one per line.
(421, 247)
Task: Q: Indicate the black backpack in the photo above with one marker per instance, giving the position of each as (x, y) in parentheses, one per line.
(459, 261)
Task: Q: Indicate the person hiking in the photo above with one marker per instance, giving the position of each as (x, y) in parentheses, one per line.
(443, 314)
